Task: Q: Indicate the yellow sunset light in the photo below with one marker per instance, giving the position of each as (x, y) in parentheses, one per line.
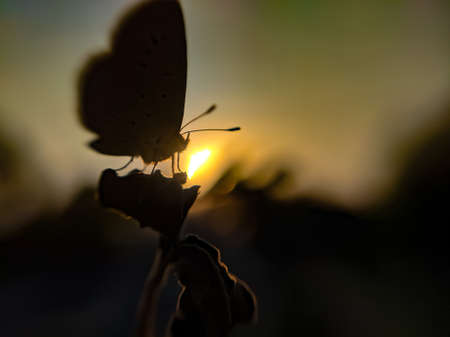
(197, 160)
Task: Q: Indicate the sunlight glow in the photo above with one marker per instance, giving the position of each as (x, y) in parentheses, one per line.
(197, 160)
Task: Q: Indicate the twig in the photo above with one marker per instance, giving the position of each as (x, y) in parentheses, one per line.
(147, 309)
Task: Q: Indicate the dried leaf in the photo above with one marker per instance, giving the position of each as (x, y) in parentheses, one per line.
(212, 300)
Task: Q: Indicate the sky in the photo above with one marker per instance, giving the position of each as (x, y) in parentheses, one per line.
(329, 89)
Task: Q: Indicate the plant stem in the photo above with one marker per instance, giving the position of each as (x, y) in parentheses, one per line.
(147, 309)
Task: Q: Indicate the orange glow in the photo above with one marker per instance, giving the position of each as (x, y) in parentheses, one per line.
(197, 160)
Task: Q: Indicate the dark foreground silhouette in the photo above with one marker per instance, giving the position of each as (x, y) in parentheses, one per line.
(318, 269)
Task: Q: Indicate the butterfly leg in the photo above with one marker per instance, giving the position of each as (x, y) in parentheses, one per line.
(154, 166)
(178, 161)
(126, 165)
(173, 165)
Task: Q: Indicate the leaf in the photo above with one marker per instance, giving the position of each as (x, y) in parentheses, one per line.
(212, 299)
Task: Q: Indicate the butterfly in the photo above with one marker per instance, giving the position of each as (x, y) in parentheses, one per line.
(133, 95)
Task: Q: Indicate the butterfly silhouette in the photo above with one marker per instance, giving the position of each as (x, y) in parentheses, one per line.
(133, 96)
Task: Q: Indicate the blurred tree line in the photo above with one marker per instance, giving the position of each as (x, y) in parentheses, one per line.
(318, 269)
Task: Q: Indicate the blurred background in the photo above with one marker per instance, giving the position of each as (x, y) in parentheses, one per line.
(331, 202)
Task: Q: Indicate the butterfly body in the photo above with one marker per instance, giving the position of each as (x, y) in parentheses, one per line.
(133, 96)
(161, 148)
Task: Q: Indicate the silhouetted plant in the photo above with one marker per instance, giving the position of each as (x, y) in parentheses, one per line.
(132, 97)
(211, 300)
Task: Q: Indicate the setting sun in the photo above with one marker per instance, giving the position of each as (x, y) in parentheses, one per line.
(197, 160)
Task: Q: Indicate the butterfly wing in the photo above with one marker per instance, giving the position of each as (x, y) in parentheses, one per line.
(133, 96)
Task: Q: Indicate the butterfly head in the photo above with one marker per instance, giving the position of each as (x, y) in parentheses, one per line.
(182, 142)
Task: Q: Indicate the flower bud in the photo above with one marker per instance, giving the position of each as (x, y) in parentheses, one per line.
(155, 201)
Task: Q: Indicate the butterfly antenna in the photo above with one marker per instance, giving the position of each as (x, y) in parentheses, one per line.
(126, 165)
(237, 128)
(207, 112)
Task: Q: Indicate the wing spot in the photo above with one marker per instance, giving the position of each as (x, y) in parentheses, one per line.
(143, 65)
(155, 40)
(148, 114)
(133, 123)
(164, 95)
